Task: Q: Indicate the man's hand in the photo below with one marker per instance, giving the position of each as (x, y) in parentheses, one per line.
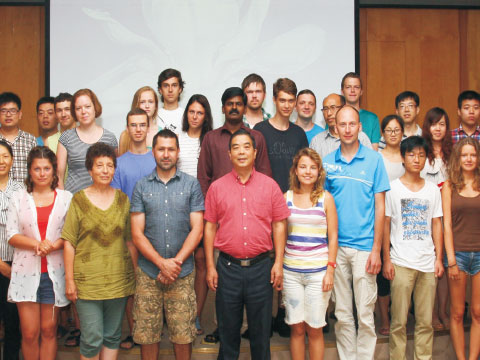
(439, 270)
(276, 276)
(212, 278)
(170, 269)
(5, 269)
(388, 270)
(374, 263)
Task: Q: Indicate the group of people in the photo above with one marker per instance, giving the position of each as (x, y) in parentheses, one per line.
(275, 216)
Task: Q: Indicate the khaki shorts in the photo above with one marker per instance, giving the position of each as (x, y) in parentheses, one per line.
(177, 300)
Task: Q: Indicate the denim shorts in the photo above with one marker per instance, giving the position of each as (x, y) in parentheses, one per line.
(467, 261)
(304, 299)
(45, 294)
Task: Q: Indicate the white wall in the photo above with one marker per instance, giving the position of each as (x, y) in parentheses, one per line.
(115, 47)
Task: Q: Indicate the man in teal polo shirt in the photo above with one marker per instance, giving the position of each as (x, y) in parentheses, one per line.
(357, 179)
(352, 90)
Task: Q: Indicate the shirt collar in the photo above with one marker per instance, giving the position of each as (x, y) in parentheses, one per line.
(154, 176)
(477, 130)
(237, 179)
(359, 155)
(223, 128)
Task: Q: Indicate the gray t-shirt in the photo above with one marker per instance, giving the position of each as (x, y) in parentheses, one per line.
(78, 177)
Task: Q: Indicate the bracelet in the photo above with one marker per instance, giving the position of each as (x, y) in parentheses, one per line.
(452, 265)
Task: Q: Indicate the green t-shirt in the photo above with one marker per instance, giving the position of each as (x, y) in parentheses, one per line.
(102, 266)
(370, 125)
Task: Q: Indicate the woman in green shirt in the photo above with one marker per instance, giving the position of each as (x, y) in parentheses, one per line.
(99, 256)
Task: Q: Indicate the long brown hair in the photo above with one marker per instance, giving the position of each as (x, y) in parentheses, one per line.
(318, 186)
(41, 152)
(136, 100)
(433, 116)
(455, 173)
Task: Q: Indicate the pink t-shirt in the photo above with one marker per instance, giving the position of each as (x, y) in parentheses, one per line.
(244, 213)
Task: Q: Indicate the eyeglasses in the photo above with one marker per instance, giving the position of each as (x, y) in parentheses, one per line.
(392, 131)
(11, 111)
(407, 106)
(332, 108)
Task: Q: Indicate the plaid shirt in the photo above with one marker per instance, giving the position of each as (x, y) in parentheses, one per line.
(458, 134)
(266, 116)
(21, 146)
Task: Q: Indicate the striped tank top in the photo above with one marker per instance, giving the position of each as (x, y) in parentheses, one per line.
(307, 246)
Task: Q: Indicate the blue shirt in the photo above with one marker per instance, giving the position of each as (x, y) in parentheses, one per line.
(313, 131)
(39, 141)
(353, 186)
(370, 125)
(167, 209)
(131, 168)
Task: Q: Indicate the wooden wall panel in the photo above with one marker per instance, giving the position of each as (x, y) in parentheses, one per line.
(22, 64)
(435, 44)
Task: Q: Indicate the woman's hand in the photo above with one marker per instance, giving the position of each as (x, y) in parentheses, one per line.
(71, 290)
(327, 284)
(44, 248)
(453, 272)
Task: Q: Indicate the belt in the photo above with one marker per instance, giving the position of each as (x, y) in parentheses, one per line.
(245, 262)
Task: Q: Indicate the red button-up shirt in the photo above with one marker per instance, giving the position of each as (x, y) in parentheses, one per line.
(244, 213)
(214, 161)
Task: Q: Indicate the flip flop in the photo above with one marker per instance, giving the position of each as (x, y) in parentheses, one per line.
(127, 343)
(212, 338)
(198, 326)
(73, 340)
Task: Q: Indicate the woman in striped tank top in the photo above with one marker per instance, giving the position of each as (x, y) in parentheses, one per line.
(310, 254)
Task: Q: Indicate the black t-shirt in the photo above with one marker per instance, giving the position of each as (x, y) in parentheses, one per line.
(282, 147)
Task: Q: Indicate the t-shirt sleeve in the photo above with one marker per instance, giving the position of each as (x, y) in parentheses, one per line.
(117, 182)
(211, 205)
(71, 227)
(389, 203)
(280, 209)
(13, 220)
(437, 203)
(262, 162)
(376, 130)
(127, 231)
(381, 182)
(196, 198)
(64, 138)
(136, 202)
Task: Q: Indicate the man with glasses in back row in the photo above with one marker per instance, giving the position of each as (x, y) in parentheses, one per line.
(20, 141)
(328, 141)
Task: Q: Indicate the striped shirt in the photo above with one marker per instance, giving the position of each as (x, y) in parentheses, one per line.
(307, 246)
(21, 146)
(78, 177)
(6, 251)
(189, 153)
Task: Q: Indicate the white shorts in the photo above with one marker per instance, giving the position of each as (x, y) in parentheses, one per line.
(304, 299)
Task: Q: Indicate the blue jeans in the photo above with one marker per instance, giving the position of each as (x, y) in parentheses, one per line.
(238, 287)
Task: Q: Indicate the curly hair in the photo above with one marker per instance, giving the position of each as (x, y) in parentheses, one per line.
(318, 186)
(41, 152)
(97, 150)
(454, 168)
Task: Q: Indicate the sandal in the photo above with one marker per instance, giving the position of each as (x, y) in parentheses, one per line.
(127, 343)
(212, 338)
(74, 339)
(198, 326)
(385, 331)
(438, 326)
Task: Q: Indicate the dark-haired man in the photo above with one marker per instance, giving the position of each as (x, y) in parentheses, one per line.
(63, 112)
(170, 86)
(407, 105)
(357, 179)
(47, 121)
(351, 87)
(412, 250)
(306, 107)
(213, 161)
(254, 87)
(328, 141)
(167, 225)
(469, 114)
(20, 141)
(283, 137)
(243, 208)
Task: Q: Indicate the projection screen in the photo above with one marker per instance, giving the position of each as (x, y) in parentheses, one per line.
(116, 47)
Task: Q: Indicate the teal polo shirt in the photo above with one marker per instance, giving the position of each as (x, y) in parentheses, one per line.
(370, 125)
(353, 186)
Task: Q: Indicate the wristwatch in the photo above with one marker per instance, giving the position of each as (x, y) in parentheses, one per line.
(332, 264)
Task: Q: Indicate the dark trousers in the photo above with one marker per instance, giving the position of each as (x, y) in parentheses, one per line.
(238, 287)
(11, 342)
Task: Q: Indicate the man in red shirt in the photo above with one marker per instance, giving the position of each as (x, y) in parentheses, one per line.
(243, 208)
